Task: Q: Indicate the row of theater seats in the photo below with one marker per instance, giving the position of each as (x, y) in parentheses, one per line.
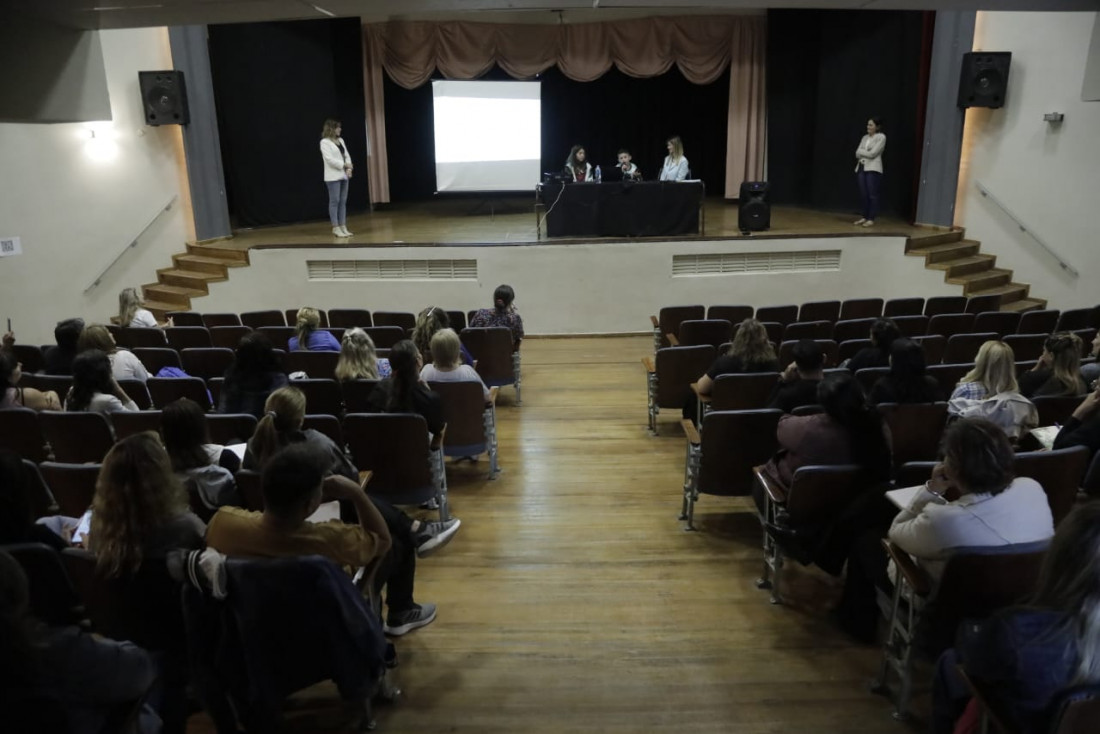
(994, 324)
(343, 318)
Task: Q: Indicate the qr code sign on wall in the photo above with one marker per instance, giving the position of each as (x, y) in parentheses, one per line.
(10, 246)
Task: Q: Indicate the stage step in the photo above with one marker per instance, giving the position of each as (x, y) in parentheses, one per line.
(172, 294)
(933, 237)
(982, 281)
(1025, 304)
(188, 278)
(1009, 292)
(203, 264)
(965, 265)
(233, 258)
(947, 251)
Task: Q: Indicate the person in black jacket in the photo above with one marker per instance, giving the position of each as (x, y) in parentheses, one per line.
(908, 381)
(883, 334)
(1083, 427)
(59, 359)
(403, 392)
(1058, 371)
(798, 383)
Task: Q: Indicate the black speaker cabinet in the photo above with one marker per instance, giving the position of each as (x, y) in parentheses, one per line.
(754, 213)
(984, 79)
(164, 97)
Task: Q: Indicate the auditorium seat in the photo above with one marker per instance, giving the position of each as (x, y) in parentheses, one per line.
(186, 337)
(257, 319)
(949, 324)
(903, 307)
(72, 484)
(185, 318)
(457, 320)
(206, 363)
(949, 375)
(384, 337)
(850, 348)
(314, 364)
(861, 308)
(775, 330)
(819, 311)
(964, 347)
(323, 396)
(1038, 322)
(933, 346)
(733, 314)
(137, 392)
(704, 331)
(668, 322)
(30, 356)
(807, 330)
(912, 325)
(356, 394)
(1055, 409)
(349, 318)
(781, 314)
(129, 422)
(77, 438)
(140, 336)
(915, 429)
(165, 390)
(210, 320)
(747, 391)
(402, 319)
(21, 432)
(230, 428)
(868, 376)
(937, 305)
(1026, 346)
(155, 359)
(981, 304)
(669, 375)
(828, 347)
(228, 337)
(1001, 322)
(850, 329)
(1076, 318)
(1059, 472)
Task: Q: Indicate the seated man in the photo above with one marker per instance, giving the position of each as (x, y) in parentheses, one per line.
(293, 482)
(798, 384)
(59, 359)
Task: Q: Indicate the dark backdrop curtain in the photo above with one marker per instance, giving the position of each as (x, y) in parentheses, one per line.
(828, 72)
(274, 85)
(614, 111)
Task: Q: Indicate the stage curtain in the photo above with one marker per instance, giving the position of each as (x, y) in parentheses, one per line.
(700, 46)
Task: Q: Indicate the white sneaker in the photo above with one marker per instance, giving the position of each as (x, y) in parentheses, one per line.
(345, 233)
(861, 220)
(868, 223)
(337, 232)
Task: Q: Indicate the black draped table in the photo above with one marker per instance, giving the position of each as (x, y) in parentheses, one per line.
(622, 208)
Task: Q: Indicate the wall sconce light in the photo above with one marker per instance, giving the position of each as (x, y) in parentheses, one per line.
(1053, 117)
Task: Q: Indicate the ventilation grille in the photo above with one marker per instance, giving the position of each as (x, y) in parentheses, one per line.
(392, 269)
(691, 266)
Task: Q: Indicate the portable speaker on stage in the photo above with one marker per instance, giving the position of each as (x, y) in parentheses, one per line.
(164, 97)
(984, 78)
(754, 212)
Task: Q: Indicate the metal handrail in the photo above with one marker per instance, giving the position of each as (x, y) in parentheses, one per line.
(133, 244)
(1026, 230)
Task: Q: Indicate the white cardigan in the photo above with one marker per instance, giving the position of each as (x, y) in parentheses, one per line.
(677, 171)
(869, 152)
(335, 160)
(930, 528)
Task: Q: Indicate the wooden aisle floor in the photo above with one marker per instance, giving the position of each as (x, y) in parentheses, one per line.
(572, 600)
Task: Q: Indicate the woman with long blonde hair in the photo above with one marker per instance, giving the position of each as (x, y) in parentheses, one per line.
(132, 311)
(281, 425)
(359, 359)
(1058, 371)
(140, 510)
(676, 165)
(751, 351)
(124, 365)
(308, 334)
(338, 168)
(990, 391)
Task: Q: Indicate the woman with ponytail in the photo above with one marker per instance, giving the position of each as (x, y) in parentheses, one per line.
(503, 313)
(430, 321)
(281, 425)
(403, 392)
(308, 334)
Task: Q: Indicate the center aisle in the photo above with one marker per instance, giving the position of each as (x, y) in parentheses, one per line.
(572, 600)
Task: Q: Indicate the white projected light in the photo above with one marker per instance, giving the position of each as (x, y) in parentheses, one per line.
(487, 135)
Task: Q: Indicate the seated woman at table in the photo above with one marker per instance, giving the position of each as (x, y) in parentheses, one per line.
(577, 166)
(676, 165)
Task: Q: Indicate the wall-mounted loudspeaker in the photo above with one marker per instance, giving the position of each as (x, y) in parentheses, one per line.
(164, 97)
(984, 79)
(754, 212)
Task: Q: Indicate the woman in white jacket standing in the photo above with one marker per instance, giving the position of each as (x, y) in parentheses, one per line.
(337, 172)
(869, 170)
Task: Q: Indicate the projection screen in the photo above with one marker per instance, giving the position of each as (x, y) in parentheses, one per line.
(488, 135)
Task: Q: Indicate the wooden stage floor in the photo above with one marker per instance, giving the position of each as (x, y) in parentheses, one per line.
(572, 600)
(446, 222)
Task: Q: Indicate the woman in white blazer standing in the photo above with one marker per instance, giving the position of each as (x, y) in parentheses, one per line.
(869, 170)
(676, 166)
(338, 168)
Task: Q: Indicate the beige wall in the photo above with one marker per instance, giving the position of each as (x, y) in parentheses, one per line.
(575, 289)
(1046, 174)
(76, 202)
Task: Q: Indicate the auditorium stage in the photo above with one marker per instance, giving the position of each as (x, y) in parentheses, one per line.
(448, 222)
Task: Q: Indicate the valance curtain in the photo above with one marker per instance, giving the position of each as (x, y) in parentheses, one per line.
(700, 46)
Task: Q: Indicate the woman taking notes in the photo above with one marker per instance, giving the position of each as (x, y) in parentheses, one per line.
(676, 166)
(869, 170)
(337, 172)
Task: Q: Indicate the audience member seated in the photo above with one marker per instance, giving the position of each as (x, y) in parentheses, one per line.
(253, 375)
(58, 360)
(431, 320)
(17, 523)
(386, 542)
(503, 313)
(95, 389)
(140, 511)
(971, 501)
(1029, 654)
(1083, 427)
(907, 382)
(849, 432)
(281, 425)
(1058, 371)
(207, 467)
(358, 358)
(883, 334)
(132, 311)
(799, 382)
(11, 372)
(403, 392)
(990, 391)
(1090, 371)
(750, 352)
(445, 366)
(63, 679)
(309, 336)
(124, 365)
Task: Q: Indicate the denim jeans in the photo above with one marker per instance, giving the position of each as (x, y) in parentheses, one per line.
(870, 184)
(337, 202)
